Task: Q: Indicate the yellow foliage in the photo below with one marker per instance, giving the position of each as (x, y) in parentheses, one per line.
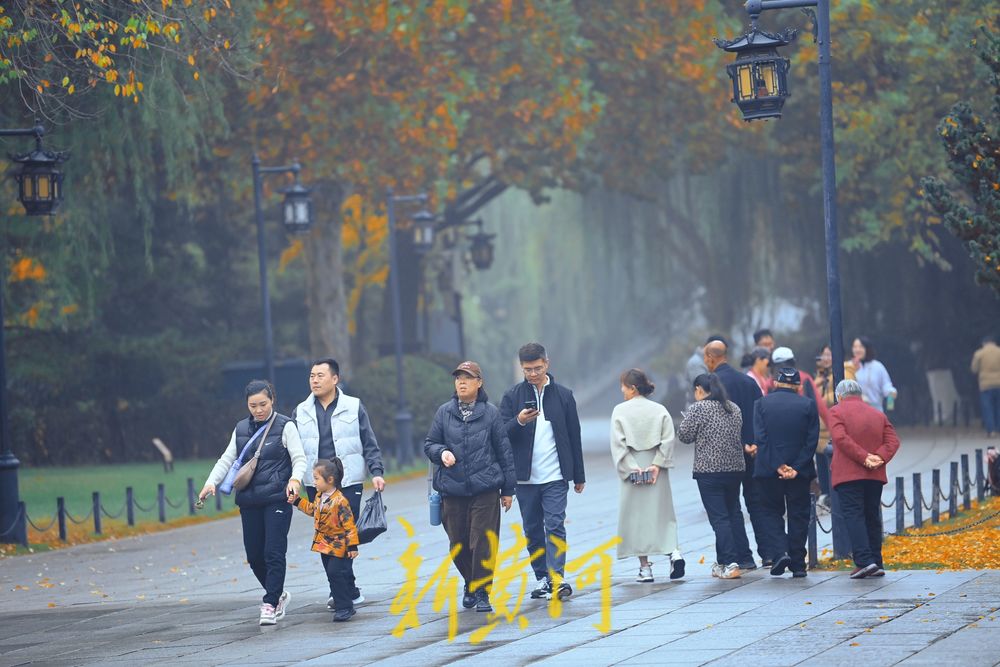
(27, 268)
(289, 254)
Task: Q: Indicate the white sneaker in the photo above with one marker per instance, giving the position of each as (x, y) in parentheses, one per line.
(645, 574)
(267, 614)
(732, 571)
(358, 600)
(279, 611)
(717, 569)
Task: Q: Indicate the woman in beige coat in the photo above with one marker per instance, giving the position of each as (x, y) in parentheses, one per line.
(642, 447)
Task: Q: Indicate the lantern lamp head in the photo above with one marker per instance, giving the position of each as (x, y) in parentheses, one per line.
(759, 73)
(40, 181)
(481, 248)
(297, 208)
(424, 223)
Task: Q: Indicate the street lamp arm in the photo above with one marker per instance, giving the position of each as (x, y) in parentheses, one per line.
(758, 6)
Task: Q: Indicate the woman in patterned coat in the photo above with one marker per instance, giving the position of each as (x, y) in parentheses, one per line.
(713, 423)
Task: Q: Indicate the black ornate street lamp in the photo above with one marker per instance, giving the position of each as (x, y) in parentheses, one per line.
(481, 248)
(39, 189)
(297, 218)
(424, 226)
(759, 89)
(39, 182)
(423, 238)
(759, 74)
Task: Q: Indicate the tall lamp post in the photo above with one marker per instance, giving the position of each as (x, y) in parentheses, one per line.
(760, 87)
(423, 239)
(297, 218)
(40, 192)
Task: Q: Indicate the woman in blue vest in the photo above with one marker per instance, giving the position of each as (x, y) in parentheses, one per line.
(263, 504)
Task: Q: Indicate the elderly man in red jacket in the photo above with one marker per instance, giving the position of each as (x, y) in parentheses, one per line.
(863, 442)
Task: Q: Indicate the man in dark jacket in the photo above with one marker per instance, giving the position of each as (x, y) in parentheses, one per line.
(544, 431)
(744, 392)
(786, 426)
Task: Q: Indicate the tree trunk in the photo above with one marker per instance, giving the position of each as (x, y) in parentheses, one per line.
(326, 301)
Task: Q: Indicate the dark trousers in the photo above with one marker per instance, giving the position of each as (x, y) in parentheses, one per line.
(751, 496)
(861, 507)
(780, 498)
(467, 520)
(543, 513)
(823, 472)
(265, 539)
(338, 573)
(989, 400)
(721, 497)
(353, 495)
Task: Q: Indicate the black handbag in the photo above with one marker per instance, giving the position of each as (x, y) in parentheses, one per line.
(371, 523)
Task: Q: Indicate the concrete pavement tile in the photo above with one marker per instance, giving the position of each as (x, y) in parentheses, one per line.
(671, 656)
(875, 656)
(586, 655)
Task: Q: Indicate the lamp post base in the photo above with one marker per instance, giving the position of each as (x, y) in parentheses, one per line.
(12, 521)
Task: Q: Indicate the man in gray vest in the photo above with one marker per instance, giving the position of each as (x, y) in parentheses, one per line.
(331, 423)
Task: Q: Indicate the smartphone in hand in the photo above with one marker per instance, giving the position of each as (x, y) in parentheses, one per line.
(531, 405)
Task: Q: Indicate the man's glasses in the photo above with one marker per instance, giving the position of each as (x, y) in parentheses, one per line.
(537, 370)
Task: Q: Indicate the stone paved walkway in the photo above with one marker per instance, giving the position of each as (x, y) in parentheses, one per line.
(187, 597)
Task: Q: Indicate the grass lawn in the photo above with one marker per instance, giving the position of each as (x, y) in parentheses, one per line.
(39, 488)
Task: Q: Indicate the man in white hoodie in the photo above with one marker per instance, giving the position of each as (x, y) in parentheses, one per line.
(331, 423)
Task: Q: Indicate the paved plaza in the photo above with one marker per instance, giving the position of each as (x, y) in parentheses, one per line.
(186, 596)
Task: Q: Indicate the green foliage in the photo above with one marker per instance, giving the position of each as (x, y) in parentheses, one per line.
(427, 386)
(970, 205)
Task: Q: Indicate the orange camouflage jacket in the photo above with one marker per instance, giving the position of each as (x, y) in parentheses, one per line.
(334, 523)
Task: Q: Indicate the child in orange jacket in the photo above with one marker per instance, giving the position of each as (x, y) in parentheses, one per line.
(336, 537)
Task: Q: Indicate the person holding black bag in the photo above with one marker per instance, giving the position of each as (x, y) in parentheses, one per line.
(268, 448)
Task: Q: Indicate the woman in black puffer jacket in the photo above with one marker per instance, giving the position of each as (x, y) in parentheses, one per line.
(474, 469)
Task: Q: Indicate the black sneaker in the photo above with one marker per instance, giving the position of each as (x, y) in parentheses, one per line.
(342, 615)
(767, 562)
(676, 567)
(780, 565)
(468, 598)
(483, 601)
(564, 591)
(748, 566)
(799, 574)
(543, 591)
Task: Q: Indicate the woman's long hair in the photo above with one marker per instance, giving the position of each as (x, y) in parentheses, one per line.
(709, 382)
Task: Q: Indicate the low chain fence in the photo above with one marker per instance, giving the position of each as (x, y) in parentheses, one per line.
(958, 500)
(98, 511)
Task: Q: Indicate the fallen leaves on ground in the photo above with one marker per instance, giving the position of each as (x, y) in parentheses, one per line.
(977, 548)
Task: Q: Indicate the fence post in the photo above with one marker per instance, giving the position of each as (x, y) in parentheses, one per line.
(918, 499)
(191, 496)
(22, 510)
(967, 495)
(61, 513)
(980, 477)
(218, 501)
(900, 506)
(953, 496)
(813, 556)
(97, 512)
(936, 497)
(161, 501)
(130, 505)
